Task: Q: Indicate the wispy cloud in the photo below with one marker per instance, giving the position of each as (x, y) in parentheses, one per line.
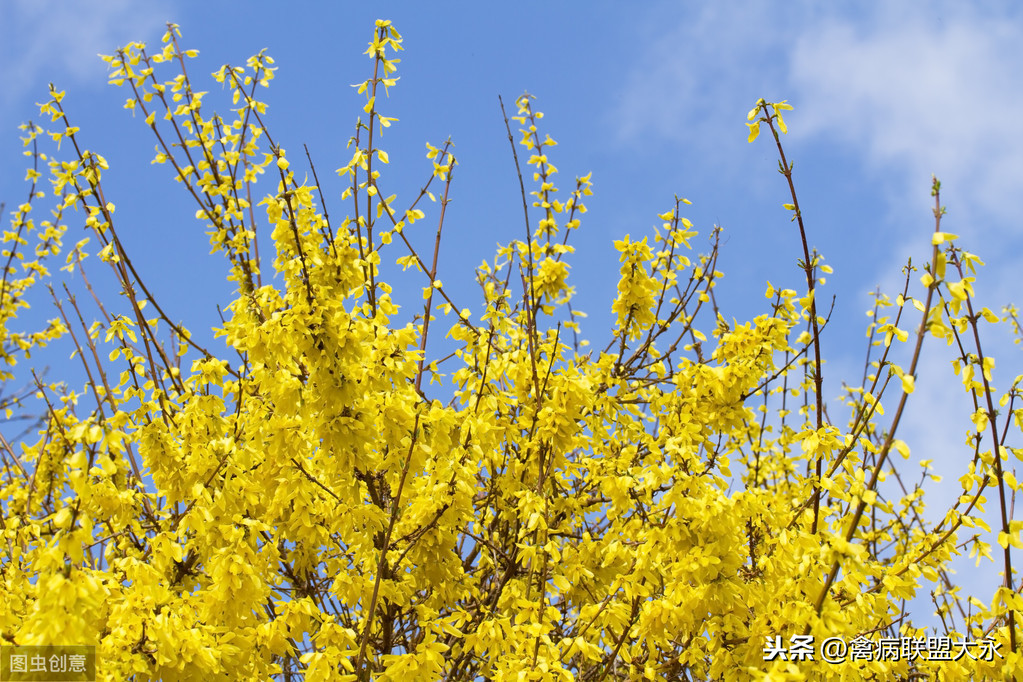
(920, 93)
(46, 40)
(917, 89)
(698, 70)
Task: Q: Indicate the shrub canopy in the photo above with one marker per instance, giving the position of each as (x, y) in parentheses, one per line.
(676, 503)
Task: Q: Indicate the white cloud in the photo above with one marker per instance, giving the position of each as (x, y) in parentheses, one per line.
(46, 40)
(701, 67)
(913, 88)
(921, 92)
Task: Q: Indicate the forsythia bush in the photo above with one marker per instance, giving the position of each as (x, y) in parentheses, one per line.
(675, 505)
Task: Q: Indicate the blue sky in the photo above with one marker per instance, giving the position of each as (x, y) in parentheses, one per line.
(651, 97)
